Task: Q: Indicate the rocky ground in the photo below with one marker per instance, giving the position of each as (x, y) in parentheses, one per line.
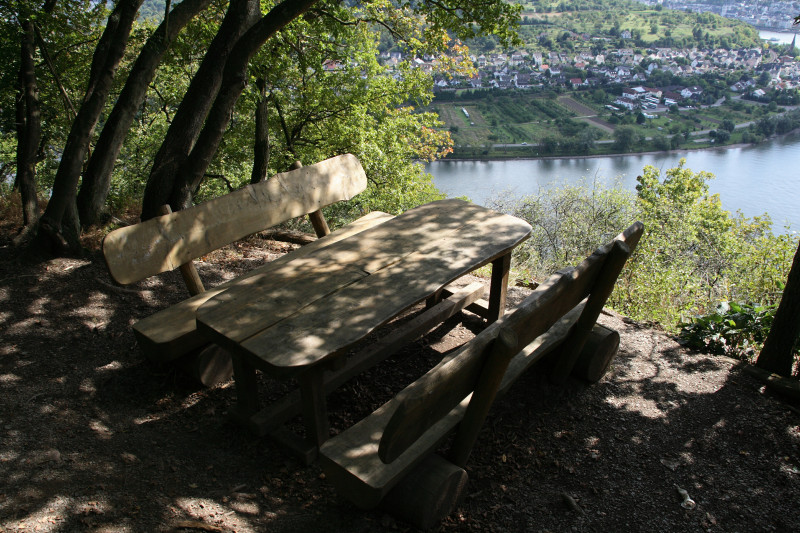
(94, 438)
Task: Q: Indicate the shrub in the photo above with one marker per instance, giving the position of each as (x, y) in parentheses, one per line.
(692, 257)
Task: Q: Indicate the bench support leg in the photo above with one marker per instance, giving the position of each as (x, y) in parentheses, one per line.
(315, 411)
(499, 286)
(246, 389)
(428, 493)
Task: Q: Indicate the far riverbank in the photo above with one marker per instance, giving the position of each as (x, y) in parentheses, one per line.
(754, 179)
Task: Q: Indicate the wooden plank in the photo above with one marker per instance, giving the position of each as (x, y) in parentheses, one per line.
(259, 301)
(172, 332)
(444, 386)
(279, 413)
(541, 322)
(350, 460)
(334, 323)
(247, 309)
(618, 254)
(499, 286)
(163, 243)
(315, 411)
(600, 292)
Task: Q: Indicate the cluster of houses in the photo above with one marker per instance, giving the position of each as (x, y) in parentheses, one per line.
(522, 70)
(767, 14)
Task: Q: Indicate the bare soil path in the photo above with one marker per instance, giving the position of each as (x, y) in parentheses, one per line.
(93, 438)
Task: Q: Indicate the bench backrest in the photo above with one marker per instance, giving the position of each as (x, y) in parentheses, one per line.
(164, 243)
(430, 398)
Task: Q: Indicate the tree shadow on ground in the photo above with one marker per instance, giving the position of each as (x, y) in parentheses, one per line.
(94, 437)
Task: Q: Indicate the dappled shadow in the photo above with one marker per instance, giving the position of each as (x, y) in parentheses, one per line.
(93, 436)
(663, 418)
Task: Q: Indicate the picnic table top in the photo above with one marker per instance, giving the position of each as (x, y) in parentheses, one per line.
(318, 305)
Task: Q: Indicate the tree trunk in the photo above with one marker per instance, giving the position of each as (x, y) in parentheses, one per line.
(188, 120)
(97, 178)
(777, 356)
(261, 144)
(55, 228)
(29, 128)
(234, 80)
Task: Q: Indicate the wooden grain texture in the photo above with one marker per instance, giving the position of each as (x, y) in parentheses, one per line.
(597, 353)
(188, 271)
(163, 243)
(619, 250)
(427, 410)
(243, 310)
(173, 332)
(350, 460)
(502, 351)
(333, 323)
(279, 413)
(428, 493)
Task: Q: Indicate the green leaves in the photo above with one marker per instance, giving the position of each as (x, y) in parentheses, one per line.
(735, 329)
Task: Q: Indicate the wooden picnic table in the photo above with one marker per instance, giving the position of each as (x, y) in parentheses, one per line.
(299, 320)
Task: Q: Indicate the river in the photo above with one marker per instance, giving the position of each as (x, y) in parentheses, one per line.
(753, 179)
(780, 37)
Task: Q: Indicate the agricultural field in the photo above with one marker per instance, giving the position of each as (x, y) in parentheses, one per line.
(514, 118)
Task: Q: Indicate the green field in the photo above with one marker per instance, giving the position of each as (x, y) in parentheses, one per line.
(528, 124)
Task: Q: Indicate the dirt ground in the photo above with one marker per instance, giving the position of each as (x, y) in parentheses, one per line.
(94, 438)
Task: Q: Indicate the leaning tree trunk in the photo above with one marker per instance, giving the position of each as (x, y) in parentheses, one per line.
(29, 127)
(56, 229)
(261, 144)
(97, 177)
(191, 113)
(234, 81)
(778, 353)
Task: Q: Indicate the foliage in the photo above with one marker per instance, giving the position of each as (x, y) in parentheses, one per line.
(692, 256)
(327, 91)
(568, 221)
(735, 329)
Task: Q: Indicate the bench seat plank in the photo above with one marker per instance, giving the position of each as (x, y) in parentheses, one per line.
(287, 345)
(172, 332)
(351, 459)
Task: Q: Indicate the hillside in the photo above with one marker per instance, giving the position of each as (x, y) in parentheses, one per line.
(569, 25)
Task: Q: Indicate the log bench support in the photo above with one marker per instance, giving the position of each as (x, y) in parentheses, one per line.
(309, 398)
(388, 458)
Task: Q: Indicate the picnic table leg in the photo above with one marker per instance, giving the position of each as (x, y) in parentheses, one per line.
(498, 287)
(246, 388)
(315, 411)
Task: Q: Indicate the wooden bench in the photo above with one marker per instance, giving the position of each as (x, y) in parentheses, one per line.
(173, 240)
(388, 457)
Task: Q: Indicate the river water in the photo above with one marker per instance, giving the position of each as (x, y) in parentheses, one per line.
(753, 179)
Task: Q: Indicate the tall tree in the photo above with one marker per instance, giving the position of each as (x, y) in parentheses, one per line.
(29, 129)
(261, 142)
(466, 18)
(97, 177)
(59, 225)
(188, 119)
(777, 355)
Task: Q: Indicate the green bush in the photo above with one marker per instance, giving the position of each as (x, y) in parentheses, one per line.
(692, 257)
(735, 329)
